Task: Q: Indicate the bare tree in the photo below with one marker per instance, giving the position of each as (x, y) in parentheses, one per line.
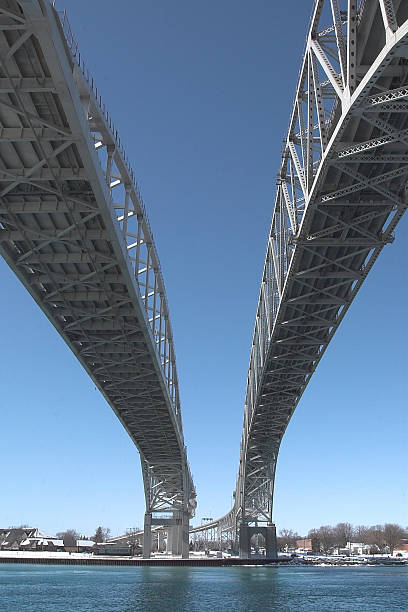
(393, 534)
(324, 536)
(360, 534)
(133, 539)
(105, 533)
(69, 536)
(375, 536)
(287, 538)
(313, 534)
(342, 533)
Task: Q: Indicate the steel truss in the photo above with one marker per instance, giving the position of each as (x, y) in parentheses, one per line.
(74, 229)
(341, 190)
(215, 535)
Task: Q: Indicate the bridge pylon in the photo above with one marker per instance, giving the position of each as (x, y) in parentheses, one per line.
(246, 532)
(178, 539)
(177, 528)
(172, 513)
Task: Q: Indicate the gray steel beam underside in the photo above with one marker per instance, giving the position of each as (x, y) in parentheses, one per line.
(341, 190)
(74, 229)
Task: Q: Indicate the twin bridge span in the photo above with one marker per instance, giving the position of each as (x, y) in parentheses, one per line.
(74, 230)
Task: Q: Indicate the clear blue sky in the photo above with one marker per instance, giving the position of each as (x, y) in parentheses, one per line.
(201, 94)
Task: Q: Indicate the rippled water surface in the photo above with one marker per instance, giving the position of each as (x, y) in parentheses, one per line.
(241, 589)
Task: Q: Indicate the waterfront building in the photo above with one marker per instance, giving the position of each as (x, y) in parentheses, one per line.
(28, 538)
(308, 544)
(339, 550)
(118, 549)
(40, 542)
(358, 548)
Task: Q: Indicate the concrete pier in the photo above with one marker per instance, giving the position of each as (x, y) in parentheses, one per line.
(268, 532)
(178, 535)
(147, 536)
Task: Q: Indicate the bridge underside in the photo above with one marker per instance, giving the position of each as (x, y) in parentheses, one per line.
(341, 191)
(74, 229)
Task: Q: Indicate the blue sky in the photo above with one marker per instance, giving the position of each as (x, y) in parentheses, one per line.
(201, 94)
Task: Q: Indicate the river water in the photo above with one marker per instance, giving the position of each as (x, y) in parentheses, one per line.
(39, 588)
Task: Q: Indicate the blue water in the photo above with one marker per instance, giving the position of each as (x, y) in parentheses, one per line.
(39, 588)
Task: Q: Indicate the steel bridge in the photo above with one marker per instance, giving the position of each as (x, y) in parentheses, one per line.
(340, 191)
(74, 229)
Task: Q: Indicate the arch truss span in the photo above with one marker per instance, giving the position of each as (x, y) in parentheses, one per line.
(212, 534)
(74, 229)
(341, 189)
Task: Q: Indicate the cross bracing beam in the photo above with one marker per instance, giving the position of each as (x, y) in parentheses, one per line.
(88, 261)
(70, 204)
(43, 174)
(341, 191)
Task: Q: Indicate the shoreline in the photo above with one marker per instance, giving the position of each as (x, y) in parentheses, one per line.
(139, 562)
(197, 562)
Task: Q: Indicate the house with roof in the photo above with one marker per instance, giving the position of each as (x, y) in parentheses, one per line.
(85, 546)
(28, 538)
(42, 542)
(11, 538)
(358, 548)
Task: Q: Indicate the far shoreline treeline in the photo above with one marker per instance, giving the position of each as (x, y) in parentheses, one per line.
(327, 537)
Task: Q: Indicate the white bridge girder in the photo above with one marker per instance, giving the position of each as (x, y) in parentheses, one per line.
(74, 229)
(341, 190)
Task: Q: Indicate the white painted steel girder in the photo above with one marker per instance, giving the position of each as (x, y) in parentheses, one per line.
(74, 229)
(341, 190)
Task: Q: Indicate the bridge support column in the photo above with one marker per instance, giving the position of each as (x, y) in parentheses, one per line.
(169, 543)
(269, 534)
(179, 534)
(271, 546)
(160, 540)
(176, 540)
(147, 536)
(244, 541)
(185, 535)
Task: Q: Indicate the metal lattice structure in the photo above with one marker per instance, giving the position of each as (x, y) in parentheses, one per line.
(74, 229)
(341, 190)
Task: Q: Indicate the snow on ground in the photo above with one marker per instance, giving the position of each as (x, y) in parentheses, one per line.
(38, 554)
(43, 554)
